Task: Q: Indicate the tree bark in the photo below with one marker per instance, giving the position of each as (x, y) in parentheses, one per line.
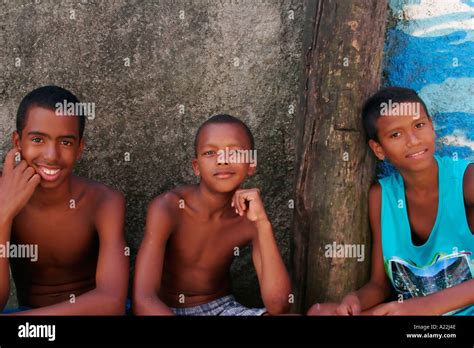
(334, 166)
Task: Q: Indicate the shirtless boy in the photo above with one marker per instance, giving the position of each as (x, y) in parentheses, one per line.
(192, 231)
(76, 224)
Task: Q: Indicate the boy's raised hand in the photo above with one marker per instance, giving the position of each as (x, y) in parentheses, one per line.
(248, 202)
(350, 305)
(17, 185)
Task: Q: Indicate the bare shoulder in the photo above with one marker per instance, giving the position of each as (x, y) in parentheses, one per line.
(164, 212)
(375, 198)
(468, 185)
(169, 204)
(375, 195)
(168, 201)
(96, 193)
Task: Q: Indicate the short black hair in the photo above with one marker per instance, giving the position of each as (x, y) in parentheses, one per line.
(371, 110)
(46, 97)
(224, 119)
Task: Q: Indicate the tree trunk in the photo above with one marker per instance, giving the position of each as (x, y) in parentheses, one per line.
(334, 165)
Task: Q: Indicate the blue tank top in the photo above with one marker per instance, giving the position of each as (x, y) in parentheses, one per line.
(446, 258)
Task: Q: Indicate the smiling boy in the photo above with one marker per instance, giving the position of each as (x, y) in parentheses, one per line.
(76, 224)
(422, 218)
(192, 233)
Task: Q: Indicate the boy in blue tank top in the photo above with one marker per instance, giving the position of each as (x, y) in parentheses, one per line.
(422, 218)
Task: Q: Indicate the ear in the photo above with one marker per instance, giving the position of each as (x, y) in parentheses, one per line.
(377, 149)
(16, 140)
(82, 144)
(196, 170)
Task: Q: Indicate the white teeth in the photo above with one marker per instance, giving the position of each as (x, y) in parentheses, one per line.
(50, 171)
(418, 153)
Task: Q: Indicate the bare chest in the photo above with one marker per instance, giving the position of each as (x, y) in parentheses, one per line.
(208, 244)
(64, 238)
(422, 214)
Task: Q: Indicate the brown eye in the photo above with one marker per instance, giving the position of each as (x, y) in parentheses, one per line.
(420, 125)
(395, 135)
(37, 140)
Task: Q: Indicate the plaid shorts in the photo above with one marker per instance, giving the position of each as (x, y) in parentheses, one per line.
(128, 309)
(224, 306)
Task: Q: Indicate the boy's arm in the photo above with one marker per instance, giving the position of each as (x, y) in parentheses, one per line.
(5, 228)
(149, 263)
(17, 185)
(275, 285)
(378, 288)
(468, 187)
(438, 303)
(109, 296)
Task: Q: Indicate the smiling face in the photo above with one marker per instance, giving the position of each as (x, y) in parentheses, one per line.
(50, 144)
(408, 142)
(216, 174)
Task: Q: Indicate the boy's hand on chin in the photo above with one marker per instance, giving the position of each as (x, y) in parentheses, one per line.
(248, 202)
(17, 185)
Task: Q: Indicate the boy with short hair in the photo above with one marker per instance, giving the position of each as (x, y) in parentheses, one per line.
(422, 218)
(75, 224)
(193, 231)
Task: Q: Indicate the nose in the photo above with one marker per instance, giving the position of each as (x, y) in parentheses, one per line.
(413, 140)
(51, 153)
(222, 158)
